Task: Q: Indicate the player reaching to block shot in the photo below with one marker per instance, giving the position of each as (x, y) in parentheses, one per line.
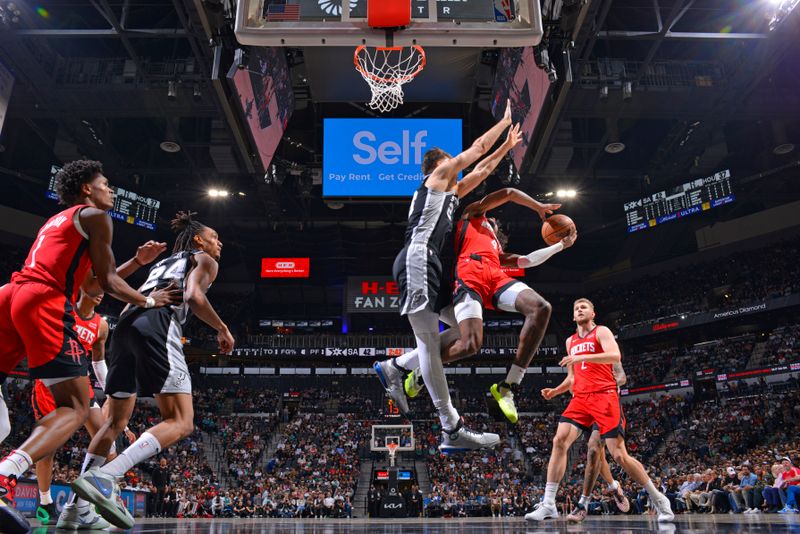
(423, 276)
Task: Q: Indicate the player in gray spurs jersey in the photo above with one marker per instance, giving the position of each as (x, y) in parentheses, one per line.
(147, 360)
(423, 278)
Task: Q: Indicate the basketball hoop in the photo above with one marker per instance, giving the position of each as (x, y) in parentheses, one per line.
(386, 69)
(392, 447)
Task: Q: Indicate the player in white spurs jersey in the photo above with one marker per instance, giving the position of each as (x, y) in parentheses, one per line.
(424, 281)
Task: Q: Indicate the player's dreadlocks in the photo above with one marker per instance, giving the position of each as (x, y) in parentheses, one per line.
(186, 228)
(74, 174)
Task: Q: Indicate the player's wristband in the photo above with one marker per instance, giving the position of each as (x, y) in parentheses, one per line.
(150, 302)
(100, 372)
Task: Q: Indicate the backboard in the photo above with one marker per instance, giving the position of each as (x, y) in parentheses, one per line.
(403, 435)
(445, 23)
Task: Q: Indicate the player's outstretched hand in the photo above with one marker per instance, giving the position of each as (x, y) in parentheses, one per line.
(129, 434)
(167, 296)
(507, 114)
(225, 340)
(548, 393)
(570, 239)
(546, 209)
(513, 138)
(149, 251)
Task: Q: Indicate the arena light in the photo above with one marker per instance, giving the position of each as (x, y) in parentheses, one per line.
(779, 10)
(222, 193)
(213, 193)
(566, 193)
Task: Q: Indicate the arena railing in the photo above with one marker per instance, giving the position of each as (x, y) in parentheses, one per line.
(362, 340)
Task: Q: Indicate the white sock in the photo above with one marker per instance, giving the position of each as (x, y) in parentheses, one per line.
(410, 360)
(651, 488)
(550, 490)
(426, 326)
(613, 485)
(5, 422)
(89, 461)
(515, 374)
(16, 463)
(584, 501)
(143, 448)
(45, 498)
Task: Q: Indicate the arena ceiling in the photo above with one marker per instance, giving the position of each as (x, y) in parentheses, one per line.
(711, 87)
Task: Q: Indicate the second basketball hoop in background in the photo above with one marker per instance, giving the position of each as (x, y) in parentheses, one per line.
(386, 69)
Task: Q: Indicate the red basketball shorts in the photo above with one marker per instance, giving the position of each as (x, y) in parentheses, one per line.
(603, 408)
(44, 403)
(483, 280)
(41, 400)
(36, 321)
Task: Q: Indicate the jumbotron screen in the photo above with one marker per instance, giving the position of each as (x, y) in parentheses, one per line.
(682, 201)
(129, 207)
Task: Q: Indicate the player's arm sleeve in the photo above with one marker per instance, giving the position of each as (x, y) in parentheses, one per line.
(99, 354)
(538, 257)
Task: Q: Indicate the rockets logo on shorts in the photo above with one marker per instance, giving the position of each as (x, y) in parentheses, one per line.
(75, 351)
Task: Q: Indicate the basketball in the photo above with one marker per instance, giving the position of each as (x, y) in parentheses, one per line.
(556, 228)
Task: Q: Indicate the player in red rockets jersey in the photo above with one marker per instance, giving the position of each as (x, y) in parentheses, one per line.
(482, 283)
(592, 353)
(37, 321)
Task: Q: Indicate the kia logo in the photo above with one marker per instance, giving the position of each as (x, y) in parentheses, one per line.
(285, 265)
(393, 506)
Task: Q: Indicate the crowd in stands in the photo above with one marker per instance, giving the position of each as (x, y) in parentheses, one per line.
(314, 470)
(726, 355)
(782, 346)
(313, 463)
(478, 483)
(740, 278)
(243, 441)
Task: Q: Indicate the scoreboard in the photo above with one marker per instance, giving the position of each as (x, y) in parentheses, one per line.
(128, 207)
(682, 201)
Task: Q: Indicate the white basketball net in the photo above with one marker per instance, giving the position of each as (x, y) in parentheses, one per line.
(392, 451)
(386, 69)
